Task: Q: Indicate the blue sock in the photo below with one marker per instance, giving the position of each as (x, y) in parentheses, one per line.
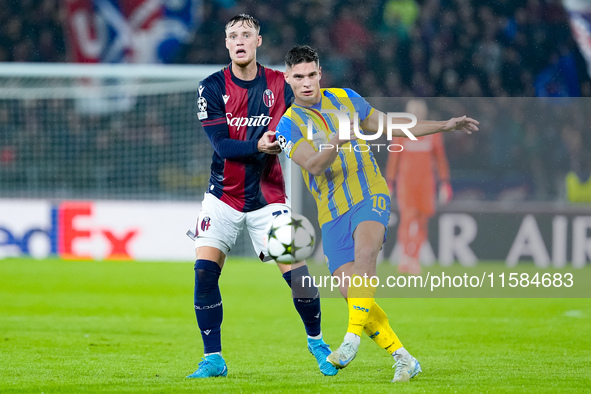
(208, 304)
(305, 298)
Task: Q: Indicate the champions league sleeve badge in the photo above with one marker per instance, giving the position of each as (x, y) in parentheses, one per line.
(202, 107)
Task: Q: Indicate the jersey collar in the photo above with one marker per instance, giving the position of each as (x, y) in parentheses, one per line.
(246, 84)
(317, 106)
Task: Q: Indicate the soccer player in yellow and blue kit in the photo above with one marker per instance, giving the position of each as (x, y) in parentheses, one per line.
(351, 193)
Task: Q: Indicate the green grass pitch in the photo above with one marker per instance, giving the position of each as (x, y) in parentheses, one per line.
(121, 326)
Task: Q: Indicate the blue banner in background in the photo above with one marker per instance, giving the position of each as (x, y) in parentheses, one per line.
(129, 31)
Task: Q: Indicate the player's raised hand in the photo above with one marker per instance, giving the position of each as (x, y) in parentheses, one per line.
(268, 143)
(463, 123)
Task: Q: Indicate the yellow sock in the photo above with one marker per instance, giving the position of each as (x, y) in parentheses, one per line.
(360, 300)
(379, 330)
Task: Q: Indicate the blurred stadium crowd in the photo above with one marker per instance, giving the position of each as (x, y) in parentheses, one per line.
(381, 48)
(399, 48)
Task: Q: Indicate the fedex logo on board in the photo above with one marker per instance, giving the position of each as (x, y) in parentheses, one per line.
(64, 231)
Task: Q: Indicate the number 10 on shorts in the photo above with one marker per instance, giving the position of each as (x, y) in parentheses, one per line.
(379, 202)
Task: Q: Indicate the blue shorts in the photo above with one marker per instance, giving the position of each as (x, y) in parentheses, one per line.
(337, 235)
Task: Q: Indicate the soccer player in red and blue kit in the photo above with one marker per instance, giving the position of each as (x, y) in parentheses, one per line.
(237, 107)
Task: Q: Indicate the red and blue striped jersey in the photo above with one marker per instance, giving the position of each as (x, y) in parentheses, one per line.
(235, 114)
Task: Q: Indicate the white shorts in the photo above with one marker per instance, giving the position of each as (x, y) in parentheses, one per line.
(219, 225)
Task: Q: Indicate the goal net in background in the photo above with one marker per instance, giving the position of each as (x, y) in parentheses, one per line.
(103, 132)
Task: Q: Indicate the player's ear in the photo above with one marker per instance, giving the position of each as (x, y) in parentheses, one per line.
(259, 40)
(319, 73)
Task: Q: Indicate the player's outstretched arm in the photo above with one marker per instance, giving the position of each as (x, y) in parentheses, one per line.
(426, 127)
(229, 148)
(226, 147)
(423, 127)
(316, 162)
(463, 123)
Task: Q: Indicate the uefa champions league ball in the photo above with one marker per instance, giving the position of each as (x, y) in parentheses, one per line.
(290, 238)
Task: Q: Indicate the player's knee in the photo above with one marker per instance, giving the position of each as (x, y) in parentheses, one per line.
(303, 289)
(207, 274)
(302, 284)
(207, 290)
(204, 278)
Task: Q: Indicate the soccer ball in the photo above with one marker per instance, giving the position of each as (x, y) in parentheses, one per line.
(290, 238)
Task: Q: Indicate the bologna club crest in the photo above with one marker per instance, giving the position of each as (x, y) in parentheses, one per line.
(268, 98)
(205, 223)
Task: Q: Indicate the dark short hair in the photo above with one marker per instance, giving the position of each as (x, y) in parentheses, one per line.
(301, 54)
(246, 19)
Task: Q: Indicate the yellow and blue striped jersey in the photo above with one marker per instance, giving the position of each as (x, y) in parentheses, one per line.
(354, 175)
